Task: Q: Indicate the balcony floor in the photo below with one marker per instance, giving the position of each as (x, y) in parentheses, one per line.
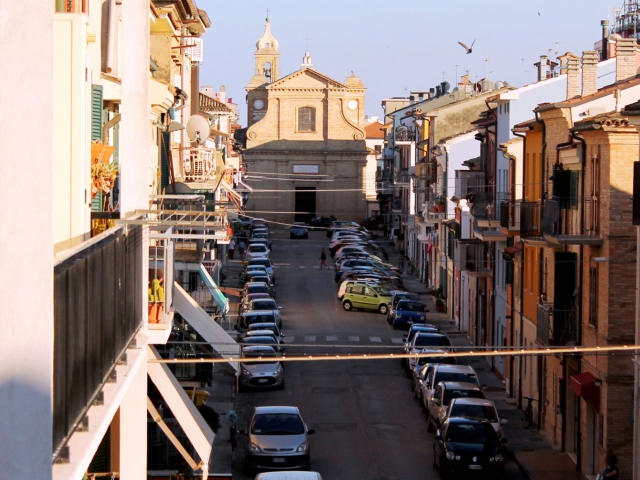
(560, 240)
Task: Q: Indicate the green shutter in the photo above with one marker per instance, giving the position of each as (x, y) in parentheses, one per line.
(96, 112)
(165, 151)
(573, 190)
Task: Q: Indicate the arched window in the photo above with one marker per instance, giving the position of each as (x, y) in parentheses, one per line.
(306, 119)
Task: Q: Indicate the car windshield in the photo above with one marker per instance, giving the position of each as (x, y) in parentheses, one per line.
(263, 305)
(258, 340)
(261, 354)
(474, 411)
(410, 307)
(469, 433)
(450, 393)
(257, 289)
(431, 341)
(256, 247)
(444, 360)
(455, 377)
(264, 262)
(277, 424)
(259, 318)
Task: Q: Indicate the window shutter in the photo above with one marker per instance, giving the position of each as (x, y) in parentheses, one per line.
(573, 189)
(562, 187)
(96, 112)
(636, 193)
(165, 151)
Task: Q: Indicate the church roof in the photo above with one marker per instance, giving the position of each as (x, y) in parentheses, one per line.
(267, 40)
(354, 81)
(307, 71)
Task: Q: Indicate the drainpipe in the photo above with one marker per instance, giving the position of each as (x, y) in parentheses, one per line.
(579, 302)
(544, 154)
(110, 59)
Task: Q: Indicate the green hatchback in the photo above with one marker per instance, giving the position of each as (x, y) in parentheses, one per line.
(366, 296)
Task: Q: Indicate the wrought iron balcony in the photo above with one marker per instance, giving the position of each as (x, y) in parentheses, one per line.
(471, 256)
(572, 221)
(404, 135)
(469, 182)
(520, 217)
(556, 327)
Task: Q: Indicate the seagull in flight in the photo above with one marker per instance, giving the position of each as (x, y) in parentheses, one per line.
(468, 49)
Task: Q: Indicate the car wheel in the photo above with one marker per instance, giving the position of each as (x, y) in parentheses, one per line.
(383, 309)
(347, 305)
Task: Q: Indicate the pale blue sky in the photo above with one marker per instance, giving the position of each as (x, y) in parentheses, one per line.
(397, 46)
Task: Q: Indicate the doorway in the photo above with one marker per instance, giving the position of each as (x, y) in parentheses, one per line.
(305, 204)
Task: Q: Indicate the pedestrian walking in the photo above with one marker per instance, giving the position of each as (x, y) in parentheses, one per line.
(232, 248)
(402, 258)
(241, 248)
(610, 472)
(323, 259)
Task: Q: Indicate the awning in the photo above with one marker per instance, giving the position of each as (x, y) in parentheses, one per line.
(221, 300)
(214, 334)
(584, 385)
(183, 409)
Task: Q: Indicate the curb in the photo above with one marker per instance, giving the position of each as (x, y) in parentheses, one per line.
(523, 470)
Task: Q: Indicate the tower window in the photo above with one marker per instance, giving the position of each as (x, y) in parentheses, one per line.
(306, 119)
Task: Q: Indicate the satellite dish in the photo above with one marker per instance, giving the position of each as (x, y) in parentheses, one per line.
(198, 129)
(476, 86)
(445, 87)
(498, 85)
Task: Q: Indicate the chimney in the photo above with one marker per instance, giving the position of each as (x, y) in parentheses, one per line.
(605, 39)
(573, 76)
(625, 58)
(589, 72)
(542, 67)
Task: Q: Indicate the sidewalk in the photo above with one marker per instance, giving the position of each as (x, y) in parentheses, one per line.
(535, 456)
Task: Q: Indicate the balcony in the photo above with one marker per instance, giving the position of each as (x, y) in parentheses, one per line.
(469, 182)
(404, 135)
(434, 210)
(471, 256)
(510, 211)
(98, 294)
(572, 221)
(556, 327)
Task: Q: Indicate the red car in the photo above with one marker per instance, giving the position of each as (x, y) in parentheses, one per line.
(372, 223)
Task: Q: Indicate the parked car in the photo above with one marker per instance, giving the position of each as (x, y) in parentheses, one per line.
(255, 250)
(260, 374)
(298, 230)
(463, 445)
(246, 300)
(288, 475)
(422, 340)
(366, 297)
(257, 316)
(266, 263)
(264, 241)
(260, 304)
(273, 327)
(347, 283)
(442, 395)
(338, 224)
(396, 298)
(408, 312)
(419, 369)
(277, 439)
(411, 333)
(267, 340)
(256, 287)
(444, 373)
(349, 265)
(251, 270)
(257, 277)
(476, 408)
(260, 223)
(372, 223)
(261, 235)
(253, 333)
(320, 223)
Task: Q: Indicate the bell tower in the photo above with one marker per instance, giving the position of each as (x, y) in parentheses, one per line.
(267, 58)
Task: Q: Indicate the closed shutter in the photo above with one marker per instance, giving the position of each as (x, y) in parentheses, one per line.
(165, 151)
(562, 187)
(636, 193)
(96, 133)
(101, 462)
(573, 189)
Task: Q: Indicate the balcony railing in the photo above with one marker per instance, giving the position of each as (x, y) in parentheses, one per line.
(572, 221)
(556, 327)
(525, 218)
(435, 208)
(98, 296)
(471, 256)
(469, 182)
(405, 136)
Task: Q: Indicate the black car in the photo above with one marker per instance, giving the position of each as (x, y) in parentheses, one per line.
(320, 223)
(298, 230)
(463, 446)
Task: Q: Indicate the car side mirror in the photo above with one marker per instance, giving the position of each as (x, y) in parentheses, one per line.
(311, 431)
(504, 440)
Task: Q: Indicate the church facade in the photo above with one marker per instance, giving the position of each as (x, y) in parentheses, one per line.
(305, 150)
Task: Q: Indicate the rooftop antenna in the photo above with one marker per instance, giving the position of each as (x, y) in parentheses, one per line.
(456, 72)
(306, 42)
(444, 74)
(267, 14)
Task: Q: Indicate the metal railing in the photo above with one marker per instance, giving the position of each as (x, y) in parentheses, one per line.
(98, 295)
(578, 216)
(472, 256)
(557, 327)
(405, 136)
(526, 217)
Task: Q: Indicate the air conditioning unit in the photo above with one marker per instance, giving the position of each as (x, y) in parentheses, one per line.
(196, 52)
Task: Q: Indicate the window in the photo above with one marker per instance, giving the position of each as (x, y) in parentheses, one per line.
(378, 148)
(306, 119)
(593, 296)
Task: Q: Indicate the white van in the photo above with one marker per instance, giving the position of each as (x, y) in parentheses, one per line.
(293, 475)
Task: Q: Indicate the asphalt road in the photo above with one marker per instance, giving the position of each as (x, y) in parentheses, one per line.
(367, 424)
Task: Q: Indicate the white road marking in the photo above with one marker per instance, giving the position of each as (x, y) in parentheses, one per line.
(375, 339)
(310, 338)
(289, 339)
(303, 266)
(397, 340)
(332, 338)
(354, 339)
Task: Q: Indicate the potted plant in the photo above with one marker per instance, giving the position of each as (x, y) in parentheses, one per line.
(440, 205)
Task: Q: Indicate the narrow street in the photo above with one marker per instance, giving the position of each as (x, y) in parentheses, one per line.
(367, 424)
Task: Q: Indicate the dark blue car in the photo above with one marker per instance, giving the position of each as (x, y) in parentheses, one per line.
(408, 312)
